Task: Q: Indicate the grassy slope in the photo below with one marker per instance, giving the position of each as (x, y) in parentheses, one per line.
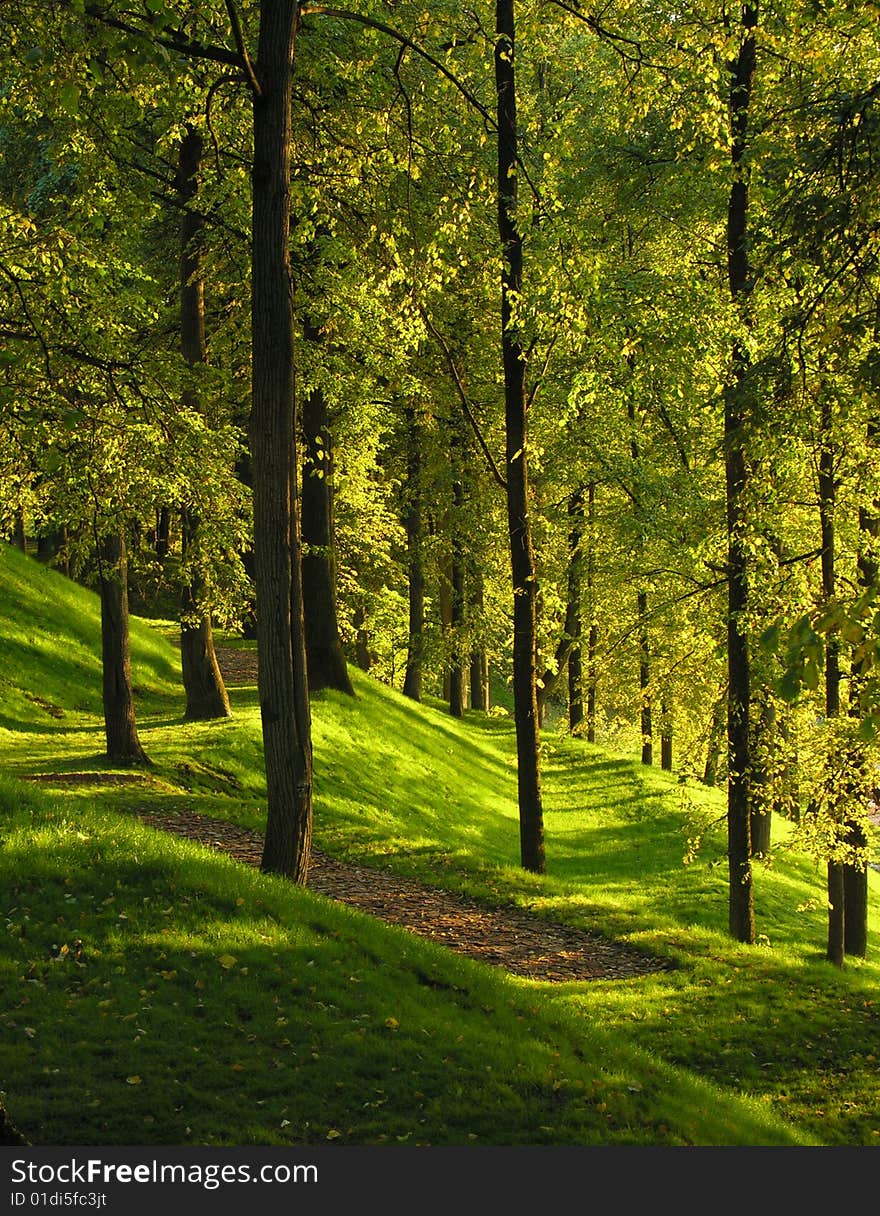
(330, 1023)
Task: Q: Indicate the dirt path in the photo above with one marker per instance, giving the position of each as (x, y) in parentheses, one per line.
(504, 936)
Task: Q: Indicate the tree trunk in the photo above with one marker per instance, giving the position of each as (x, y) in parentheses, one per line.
(123, 745)
(666, 735)
(325, 658)
(525, 587)
(162, 538)
(715, 740)
(762, 746)
(479, 664)
(412, 681)
(827, 503)
(736, 416)
(19, 538)
(283, 690)
(593, 633)
(206, 695)
(572, 626)
(456, 624)
(855, 877)
(362, 639)
(645, 680)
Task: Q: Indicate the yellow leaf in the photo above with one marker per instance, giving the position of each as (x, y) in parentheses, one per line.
(133, 1080)
(392, 1023)
(333, 1134)
(238, 1067)
(227, 960)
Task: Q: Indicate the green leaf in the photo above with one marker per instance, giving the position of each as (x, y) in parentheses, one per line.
(770, 639)
(69, 97)
(811, 675)
(790, 686)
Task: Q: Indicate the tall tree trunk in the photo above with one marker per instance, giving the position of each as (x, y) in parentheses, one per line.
(362, 639)
(18, 532)
(572, 626)
(326, 661)
(457, 571)
(741, 906)
(123, 745)
(573, 611)
(412, 682)
(525, 586)
(715, 740)
(206, 695)
(283, 690)
(855, 877)
(762, 746)
(666, 735)
(644, 641)
(593, 632)
(162, 536)
(479, 664)
(645, 680)
(827, 504)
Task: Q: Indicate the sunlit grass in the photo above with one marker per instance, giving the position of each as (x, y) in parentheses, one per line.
(409, 787)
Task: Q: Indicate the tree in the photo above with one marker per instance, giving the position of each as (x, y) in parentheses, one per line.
(206, 695)
(516, 407)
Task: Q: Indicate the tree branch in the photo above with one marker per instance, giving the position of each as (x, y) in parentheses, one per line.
(242, 48)
(462, 396)
(371, 23)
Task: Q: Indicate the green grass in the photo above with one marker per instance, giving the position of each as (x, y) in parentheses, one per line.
(329, 1024)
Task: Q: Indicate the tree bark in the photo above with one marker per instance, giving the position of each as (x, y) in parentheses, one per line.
(645, 680)
(19, 538)
(457, 581)
(741, 897)
(325, 658)
(572, 625)
(855, 877)
(123, 745)
(827, 504)
(524, 577)
(162, 537)
(362, 639)
(479, 664)
(283, 689)
(593, 632)
(666, 736)
(762, 746)
(206, 695)
(412, 681)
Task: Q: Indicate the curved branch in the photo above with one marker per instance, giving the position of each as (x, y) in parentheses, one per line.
(242, 48)
(463, 398)
(371, 23)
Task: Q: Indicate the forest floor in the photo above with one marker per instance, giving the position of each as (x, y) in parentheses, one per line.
(523, 942)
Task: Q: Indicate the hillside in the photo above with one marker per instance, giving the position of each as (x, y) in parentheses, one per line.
(197, 1001)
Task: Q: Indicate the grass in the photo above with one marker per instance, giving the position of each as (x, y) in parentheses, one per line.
(328, 1025)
